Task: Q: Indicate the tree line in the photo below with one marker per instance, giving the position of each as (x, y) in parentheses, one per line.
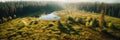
(110, 9)
(11, 10)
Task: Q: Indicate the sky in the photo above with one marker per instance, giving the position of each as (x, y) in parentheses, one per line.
(72, 1)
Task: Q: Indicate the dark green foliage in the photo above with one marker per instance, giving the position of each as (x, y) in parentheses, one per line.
(79, 20)
(50, 25)
(33, 22)
(95, 22)
(112, 26)
(10, 29)
(54, 21)
(20, 27)
(19, 32)
(111, 33)
(119, 14)
(62, 28)
(72, 29)
(71, 20)
(10, 36)
(88, 19)
(83, 21)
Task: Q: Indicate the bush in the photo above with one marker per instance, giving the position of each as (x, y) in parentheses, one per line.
(71, 19)
(78, 20)
(50, 25)
(88, 19)
(83, 21)
(93, 23)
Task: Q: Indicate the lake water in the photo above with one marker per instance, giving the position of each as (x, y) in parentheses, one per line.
(51, 16)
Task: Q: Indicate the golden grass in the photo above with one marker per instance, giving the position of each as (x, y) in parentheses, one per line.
(30, 28)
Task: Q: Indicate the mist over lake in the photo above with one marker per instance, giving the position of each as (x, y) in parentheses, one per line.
(51, 16)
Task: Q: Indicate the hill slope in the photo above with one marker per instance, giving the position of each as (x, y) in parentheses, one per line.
(73, 25)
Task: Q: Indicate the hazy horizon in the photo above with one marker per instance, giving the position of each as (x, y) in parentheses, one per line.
(68, 1)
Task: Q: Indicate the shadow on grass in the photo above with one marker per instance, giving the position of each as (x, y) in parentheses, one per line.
(65, 30)
(62, 28)
(72, 29)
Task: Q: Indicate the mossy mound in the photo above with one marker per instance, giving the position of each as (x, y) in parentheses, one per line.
(69, 27)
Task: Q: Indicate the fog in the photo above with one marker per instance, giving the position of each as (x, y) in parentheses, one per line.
(69, 1)
(51, 16)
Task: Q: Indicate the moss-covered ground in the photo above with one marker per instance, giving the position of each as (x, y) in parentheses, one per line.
(73, 25)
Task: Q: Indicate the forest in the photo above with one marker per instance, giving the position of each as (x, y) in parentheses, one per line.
(11, 10)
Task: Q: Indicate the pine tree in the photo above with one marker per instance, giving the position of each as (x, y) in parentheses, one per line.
(119, 14)
(112, 12)
(109, 12)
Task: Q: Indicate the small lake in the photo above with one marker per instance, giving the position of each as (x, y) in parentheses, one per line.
(51, 16)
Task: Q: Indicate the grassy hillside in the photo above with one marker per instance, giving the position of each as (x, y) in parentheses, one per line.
(73, 25)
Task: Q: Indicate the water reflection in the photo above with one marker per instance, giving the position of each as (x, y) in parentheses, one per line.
(51, 16)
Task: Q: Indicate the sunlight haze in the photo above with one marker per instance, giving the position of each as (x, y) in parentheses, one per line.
(71, 1)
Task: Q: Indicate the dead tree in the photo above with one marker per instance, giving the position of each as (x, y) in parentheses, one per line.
(101, 19)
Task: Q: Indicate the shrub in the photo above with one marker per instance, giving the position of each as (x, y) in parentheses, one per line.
(95, 22)
(71, 19)
(83, 20)
(50, 25)
(88, 19)
(78, 20)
